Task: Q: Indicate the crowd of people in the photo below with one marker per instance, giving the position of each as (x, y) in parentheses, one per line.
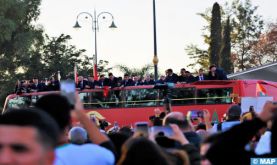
(44, 134)
(36, 85)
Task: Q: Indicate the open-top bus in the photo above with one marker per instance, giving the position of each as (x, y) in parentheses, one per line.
(127, 105)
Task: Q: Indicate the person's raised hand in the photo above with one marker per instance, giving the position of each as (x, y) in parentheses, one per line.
(268, 111)
(178, 135)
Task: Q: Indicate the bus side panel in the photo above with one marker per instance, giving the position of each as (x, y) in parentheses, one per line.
(131, 115)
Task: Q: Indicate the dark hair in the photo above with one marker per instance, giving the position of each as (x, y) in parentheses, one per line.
(47, 128)
(169, 70)
(212, 66)
(56, 106)
(201, 126)
(183, 124)
(110, 74)
(137, 151)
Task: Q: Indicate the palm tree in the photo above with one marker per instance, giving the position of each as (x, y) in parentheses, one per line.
(136, 71)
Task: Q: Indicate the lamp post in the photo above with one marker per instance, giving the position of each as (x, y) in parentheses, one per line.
(95, 28)
(155, 58)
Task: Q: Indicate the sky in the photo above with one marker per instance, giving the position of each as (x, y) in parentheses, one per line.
(131, 44)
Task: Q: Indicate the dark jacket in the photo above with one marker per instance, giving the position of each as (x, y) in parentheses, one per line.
(193, 154)
(172, 79)
(37, 87)
(193, 138)
(205, 77)
(125, 83)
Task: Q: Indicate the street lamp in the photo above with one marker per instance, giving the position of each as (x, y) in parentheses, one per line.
(155, 58)
(95, 28)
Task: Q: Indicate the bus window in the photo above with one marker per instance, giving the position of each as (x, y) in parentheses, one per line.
(92, 99)
(23, 101)
(214, 96)
(182, 96)
(96, 99)
(141, 97)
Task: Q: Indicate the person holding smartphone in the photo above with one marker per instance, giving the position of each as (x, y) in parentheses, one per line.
(100, 152)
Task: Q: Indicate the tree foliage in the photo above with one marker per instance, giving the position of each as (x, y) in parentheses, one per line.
(247, 27)
(225, 60)
(216, 35)
(25, 51)
(136, 71)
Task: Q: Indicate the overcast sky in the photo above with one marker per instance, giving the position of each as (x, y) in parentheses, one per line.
(132, 42)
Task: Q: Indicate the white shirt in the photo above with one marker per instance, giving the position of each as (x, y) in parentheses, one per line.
(86, 154)
(264, 144)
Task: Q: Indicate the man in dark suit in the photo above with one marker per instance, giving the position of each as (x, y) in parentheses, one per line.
(148, 80)
(126, 81)
(170, 76)
(216, 73)
(183, 77)
(190, 78)
(82, 84)
(36, 86)
(136, 81)
(161, 80)
(112, 80)
(201, 76)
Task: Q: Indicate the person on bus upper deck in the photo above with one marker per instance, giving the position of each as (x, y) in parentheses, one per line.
(190, 77)
(136, 81)
(216, 73)
(112, 80)
(182, 78)
(91, 82)
(161, 80)
(171, 77)
(82, 84)
(54, 84)
(127, 81)
(36, 86)
(148, 80)
(201, 76)
(101, 80)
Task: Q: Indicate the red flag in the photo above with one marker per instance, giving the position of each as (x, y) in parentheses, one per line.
(106, 91)
(75, 74)
(260, 90)
(95, 73)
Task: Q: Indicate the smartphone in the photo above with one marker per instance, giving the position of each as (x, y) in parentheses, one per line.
(194, 114)
(161, 131)
(142, 127)
(92, 118)
(68, 90)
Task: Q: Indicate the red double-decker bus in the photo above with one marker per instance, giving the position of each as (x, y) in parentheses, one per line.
(127, 105)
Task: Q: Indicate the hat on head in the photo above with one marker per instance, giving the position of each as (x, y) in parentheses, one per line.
(234, 111)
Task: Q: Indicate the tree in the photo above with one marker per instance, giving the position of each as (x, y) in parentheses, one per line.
(247, 27)
(200, 56)
(136, 71)
(265, 50)
(225, 60)
(17, 37)
(216, 35)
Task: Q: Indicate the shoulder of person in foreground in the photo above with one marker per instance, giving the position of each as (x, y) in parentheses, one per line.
(83, 154)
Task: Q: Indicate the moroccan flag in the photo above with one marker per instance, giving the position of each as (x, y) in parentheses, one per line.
(75, 74)
(260, 90)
